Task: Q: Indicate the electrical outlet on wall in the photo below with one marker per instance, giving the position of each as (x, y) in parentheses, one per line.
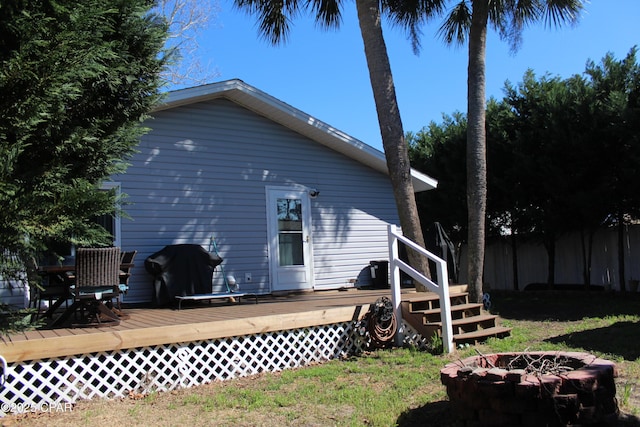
(247, 277)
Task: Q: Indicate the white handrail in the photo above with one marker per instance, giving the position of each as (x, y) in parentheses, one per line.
(441, 288)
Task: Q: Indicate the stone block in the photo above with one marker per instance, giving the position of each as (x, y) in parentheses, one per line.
(496, 388)
(516, 375)
(479, 373)
(496, 374)
(528, 388)
(549, 385)
(512, 405)
(579, 381)
(567, 407)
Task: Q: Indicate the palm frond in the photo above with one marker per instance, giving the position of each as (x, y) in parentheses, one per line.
(274, 17)
(558, 12)
(327, 12)
(514, 13)
(510, 17)
(455, 28)
(411, 14)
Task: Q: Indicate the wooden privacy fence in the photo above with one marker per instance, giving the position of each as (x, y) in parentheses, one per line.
(533, 260)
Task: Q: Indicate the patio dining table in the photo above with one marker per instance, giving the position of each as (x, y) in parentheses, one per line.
(63, 276)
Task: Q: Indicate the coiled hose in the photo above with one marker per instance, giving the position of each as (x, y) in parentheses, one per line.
(381, 323)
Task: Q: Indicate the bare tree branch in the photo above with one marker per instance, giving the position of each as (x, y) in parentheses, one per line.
(187, 19)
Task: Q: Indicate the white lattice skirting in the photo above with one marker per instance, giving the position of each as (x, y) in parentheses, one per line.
(114, 374)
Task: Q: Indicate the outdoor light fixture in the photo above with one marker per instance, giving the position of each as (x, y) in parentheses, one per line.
(313, 193)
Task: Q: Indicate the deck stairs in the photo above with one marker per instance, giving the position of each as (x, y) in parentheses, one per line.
(471, 323)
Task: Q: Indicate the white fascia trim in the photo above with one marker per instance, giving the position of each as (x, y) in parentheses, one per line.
(280, 112)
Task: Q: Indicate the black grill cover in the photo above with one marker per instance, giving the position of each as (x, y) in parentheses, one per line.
(181, 270)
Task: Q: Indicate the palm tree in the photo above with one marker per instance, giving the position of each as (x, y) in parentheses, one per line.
(274, 21)
(469, 19)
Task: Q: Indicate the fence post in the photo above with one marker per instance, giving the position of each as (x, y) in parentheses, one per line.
(394, 273)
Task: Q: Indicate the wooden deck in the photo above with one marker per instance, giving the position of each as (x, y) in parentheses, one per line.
(197, 321)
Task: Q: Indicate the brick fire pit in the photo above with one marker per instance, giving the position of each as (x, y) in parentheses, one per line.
(532, 389)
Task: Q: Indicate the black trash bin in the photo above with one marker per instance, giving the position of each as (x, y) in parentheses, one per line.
(379, 274)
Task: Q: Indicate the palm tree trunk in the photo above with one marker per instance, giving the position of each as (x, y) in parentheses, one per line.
(476, 148)
(395, 148)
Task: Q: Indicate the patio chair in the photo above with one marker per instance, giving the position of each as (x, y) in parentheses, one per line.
(97, 282)
(126, 264)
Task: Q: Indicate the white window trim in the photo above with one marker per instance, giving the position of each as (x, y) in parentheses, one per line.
(117, 238)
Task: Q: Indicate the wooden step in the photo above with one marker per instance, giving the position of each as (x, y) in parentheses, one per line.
(430, 296)
(431, 301)
(481, 335)
(471, 324)
(459, 311)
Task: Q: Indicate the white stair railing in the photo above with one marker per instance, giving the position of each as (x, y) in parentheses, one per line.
(441, 288)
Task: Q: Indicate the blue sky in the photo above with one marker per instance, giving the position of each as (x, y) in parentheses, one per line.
(324, 73)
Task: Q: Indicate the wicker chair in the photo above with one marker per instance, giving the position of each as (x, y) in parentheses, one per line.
(97, 281)
(126, 264)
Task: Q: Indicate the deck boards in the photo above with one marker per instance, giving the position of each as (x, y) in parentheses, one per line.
(196, 321)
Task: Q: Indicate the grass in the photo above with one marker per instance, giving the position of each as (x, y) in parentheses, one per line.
(391, 387)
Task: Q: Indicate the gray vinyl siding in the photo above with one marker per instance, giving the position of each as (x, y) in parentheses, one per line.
(14, 291)
(13, 294)
(202, 171)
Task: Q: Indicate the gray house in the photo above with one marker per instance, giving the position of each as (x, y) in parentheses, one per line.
(292, 203)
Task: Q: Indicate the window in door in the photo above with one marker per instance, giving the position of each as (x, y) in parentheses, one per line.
(290, 232)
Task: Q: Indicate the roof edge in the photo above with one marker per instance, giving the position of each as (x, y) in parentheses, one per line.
(266, 105)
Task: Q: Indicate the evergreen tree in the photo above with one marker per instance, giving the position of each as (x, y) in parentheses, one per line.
(76, 80)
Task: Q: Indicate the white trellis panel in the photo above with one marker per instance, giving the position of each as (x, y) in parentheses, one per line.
(113, 374)
(412, 338)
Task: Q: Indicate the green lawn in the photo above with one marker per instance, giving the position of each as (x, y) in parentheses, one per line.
(390, 387)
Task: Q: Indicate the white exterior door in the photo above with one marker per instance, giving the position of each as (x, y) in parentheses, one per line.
(290, 258)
